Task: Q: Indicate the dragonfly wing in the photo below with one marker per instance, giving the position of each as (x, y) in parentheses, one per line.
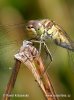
(9, 46)
(7, 52)
(64, 40)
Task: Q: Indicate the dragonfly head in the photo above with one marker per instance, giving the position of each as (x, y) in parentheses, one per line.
(35, 26)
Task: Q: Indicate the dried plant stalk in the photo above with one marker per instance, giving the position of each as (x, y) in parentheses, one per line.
(12, 80)
(30, 57)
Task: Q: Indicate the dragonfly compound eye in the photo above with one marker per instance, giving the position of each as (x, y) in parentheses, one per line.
(29, 27)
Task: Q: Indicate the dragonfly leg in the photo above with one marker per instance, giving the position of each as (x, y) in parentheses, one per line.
(48, 52)
(40, 47)
(40, 44)
(46, 47)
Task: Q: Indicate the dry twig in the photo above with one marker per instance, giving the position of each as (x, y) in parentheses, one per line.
(12, 80)
(29, 55)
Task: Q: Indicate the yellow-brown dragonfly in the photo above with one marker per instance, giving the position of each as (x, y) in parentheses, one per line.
(43, 30)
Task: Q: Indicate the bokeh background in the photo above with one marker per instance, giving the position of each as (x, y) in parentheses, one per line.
(13, 13)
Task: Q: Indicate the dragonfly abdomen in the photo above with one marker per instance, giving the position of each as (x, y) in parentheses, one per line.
(65, 45)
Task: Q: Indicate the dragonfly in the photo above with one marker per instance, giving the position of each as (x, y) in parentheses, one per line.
(46, 29)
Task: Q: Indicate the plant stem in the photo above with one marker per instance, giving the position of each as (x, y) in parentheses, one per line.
(30, 57)
(12, 80)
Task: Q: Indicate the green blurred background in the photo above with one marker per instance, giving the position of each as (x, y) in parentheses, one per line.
(15, 12)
